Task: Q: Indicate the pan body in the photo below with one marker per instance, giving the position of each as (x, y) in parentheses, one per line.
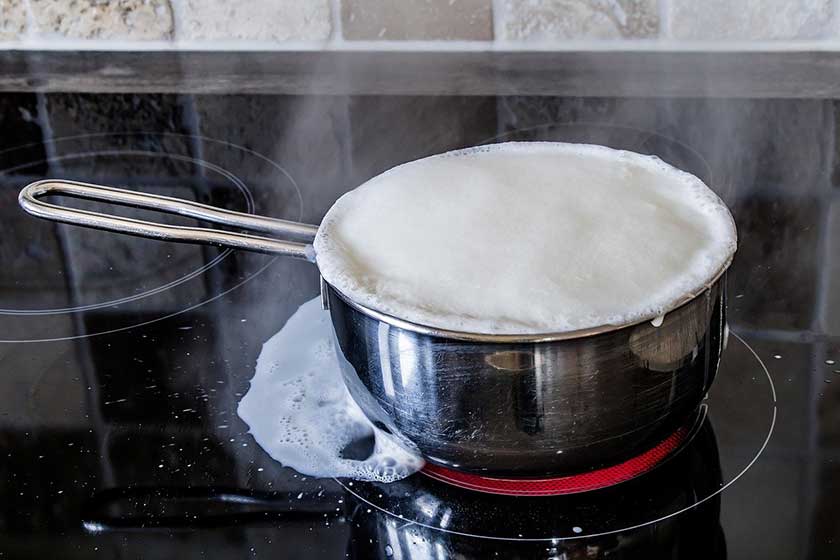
(531, 409)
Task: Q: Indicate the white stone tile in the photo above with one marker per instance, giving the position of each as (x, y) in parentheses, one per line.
(548, 20)
(751, 19)
(256, 20)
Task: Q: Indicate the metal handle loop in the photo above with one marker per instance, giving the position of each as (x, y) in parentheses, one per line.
(30, 196)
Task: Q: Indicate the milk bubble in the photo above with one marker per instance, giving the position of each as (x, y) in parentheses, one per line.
(300, 412)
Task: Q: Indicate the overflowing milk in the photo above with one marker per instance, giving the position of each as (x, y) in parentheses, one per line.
(522, 238)
(300, 412)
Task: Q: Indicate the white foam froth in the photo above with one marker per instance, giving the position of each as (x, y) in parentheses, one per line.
(525, 238)
(300, 412)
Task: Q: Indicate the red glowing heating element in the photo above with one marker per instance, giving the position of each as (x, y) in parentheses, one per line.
(572, 484)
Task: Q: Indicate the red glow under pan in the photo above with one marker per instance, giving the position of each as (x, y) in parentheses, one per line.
(572, 484)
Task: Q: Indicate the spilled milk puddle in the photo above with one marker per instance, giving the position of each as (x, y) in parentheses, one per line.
(300, 412)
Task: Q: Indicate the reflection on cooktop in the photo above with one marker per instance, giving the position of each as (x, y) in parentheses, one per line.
(449, 513)
(134, 274)
(674, 508)
(589, 514)
(438, 517)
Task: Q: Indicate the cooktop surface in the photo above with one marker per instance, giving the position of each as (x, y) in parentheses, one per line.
(123, 359)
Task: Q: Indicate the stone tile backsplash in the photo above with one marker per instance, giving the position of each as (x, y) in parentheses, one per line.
(509, 24)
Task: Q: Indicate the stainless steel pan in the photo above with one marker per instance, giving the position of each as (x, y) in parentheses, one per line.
(499, 405)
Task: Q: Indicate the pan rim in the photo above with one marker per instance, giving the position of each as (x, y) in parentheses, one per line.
(528, 338)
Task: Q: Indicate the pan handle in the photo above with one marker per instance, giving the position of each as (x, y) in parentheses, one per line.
(31, 194)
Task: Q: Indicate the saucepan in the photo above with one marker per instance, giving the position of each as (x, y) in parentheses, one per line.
(497, 405)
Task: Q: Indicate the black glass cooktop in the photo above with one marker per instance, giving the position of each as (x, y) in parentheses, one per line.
(123, 359)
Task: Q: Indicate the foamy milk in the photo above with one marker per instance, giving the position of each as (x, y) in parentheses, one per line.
(522, 238)
(300, 412)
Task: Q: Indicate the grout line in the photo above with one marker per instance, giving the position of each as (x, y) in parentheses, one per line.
(777, 335)
(503, 114)
(497, 17)
(31, 24)
(808, 499)
(835, 17)
(337, 33)
(83, 351)
(823, 242)
(345, 140)
(192, 122)
(177, 17)
(665, 19)
(41, 43)
(47, 135)
(823, 278)
(132, 181)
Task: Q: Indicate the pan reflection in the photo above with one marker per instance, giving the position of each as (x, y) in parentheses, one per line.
(420, 518)
(667, 513)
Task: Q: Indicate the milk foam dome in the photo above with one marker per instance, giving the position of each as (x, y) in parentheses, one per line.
(526, 238)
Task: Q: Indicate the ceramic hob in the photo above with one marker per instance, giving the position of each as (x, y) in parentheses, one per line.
(123, 359)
